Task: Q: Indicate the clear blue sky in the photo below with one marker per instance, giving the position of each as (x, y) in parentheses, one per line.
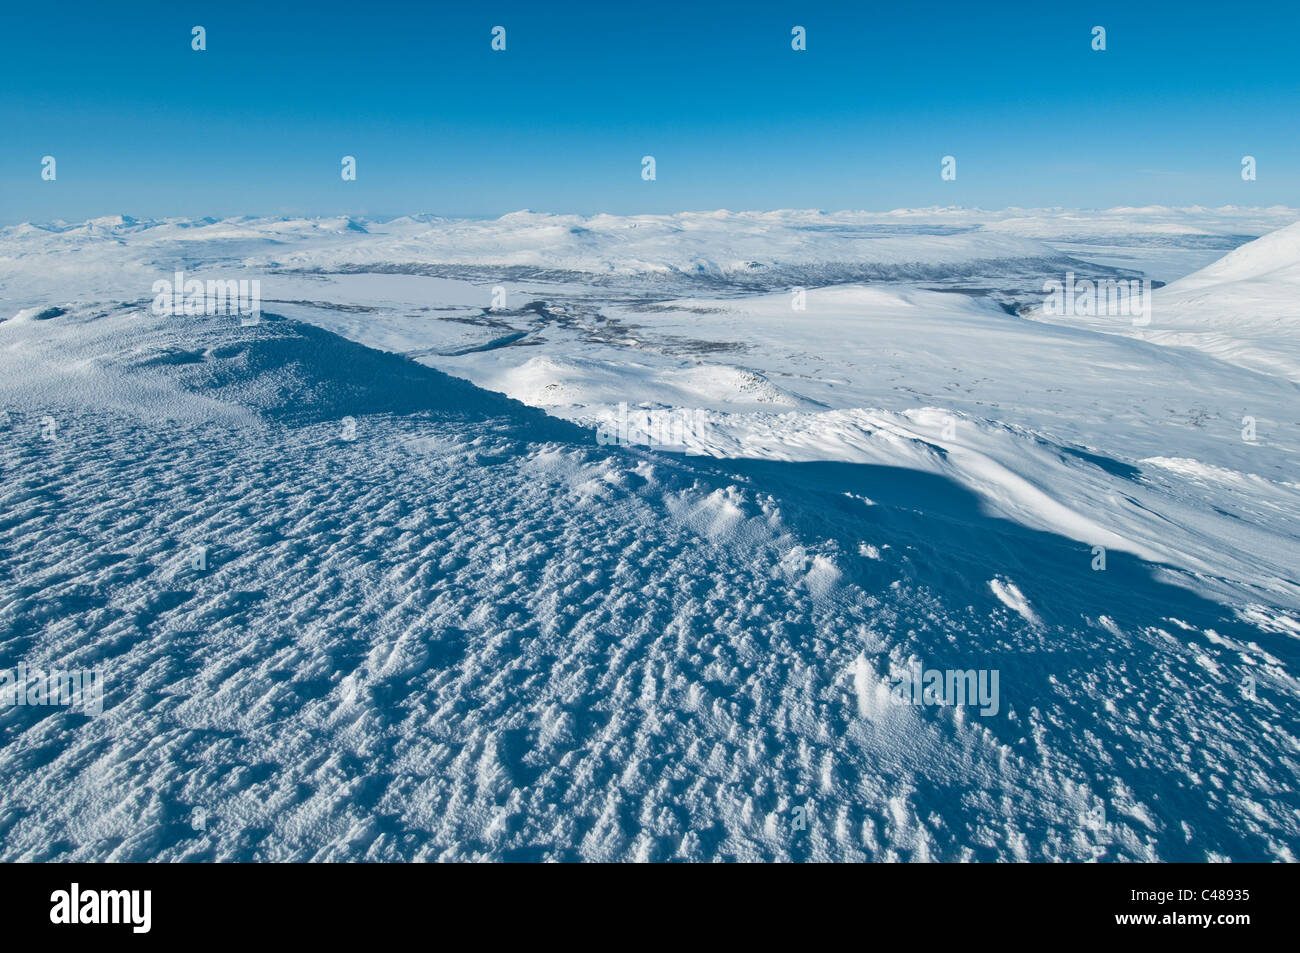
(142, 125)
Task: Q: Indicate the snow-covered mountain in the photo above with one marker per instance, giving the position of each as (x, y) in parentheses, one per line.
(724, 249)
(1241, 309)
(1244, 308)
(354, 598)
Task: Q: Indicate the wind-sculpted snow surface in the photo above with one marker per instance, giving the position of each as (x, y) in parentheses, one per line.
(348, 607)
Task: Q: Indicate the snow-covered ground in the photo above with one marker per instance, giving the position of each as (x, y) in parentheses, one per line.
(438, 615)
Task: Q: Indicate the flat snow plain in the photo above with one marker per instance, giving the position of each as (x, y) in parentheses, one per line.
(438, 619)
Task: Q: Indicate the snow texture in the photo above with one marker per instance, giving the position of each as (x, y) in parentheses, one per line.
(435, 618)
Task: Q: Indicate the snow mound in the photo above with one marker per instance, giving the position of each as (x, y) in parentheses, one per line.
(1009, 595)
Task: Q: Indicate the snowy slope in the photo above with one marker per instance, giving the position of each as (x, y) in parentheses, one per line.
(435, 623)
(1241, 309)
(1107, 440)
(469, 632)
(1244, 308)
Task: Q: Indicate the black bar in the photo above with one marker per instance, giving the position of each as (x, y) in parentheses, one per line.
(961, 903)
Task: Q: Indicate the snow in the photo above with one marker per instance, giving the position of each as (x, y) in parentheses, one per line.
(1241, 309)
(1009, 595)
(437, 618)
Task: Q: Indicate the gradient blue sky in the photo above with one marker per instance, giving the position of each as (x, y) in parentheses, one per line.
(142, 125)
